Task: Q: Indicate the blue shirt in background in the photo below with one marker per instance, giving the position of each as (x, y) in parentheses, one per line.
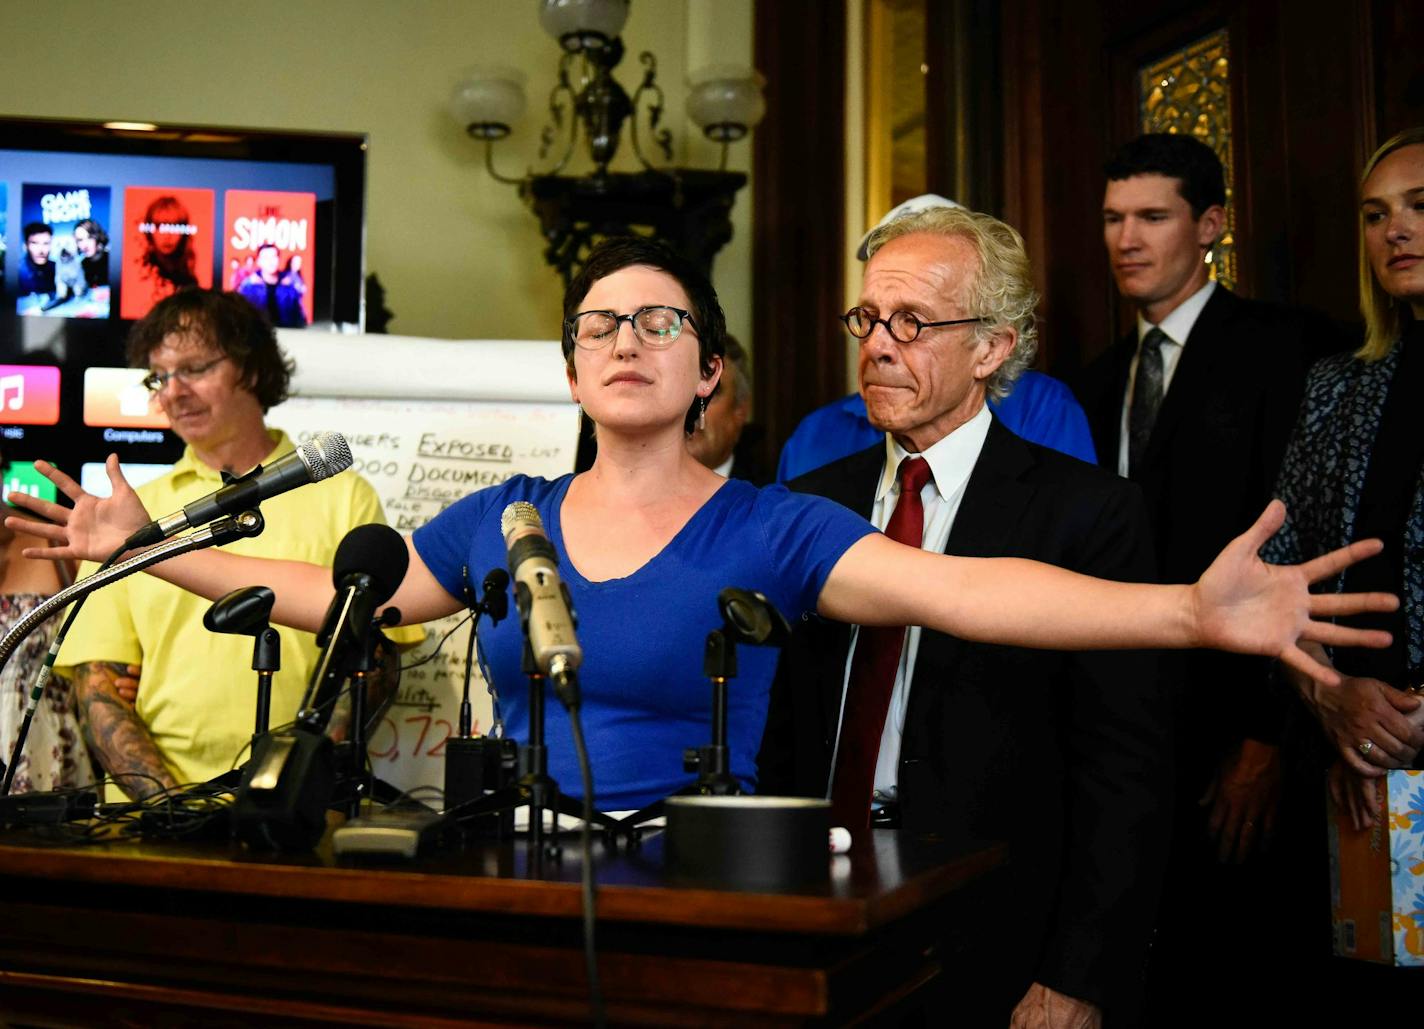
(1040, 409)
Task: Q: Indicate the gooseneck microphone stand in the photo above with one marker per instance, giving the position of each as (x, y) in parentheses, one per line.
(215, 534)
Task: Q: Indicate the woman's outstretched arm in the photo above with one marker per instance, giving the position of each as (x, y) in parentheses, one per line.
(94, 528)
(1240, 604)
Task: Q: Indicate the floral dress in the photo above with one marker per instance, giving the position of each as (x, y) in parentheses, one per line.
(54, 756)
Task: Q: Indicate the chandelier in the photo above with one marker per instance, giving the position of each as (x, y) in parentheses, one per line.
(688, 208)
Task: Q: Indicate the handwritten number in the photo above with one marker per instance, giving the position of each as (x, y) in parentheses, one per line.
(425, 728)
(439, 749)
(392, 752)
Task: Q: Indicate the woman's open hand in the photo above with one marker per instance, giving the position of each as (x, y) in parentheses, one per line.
(89, 531)
(1243, 604)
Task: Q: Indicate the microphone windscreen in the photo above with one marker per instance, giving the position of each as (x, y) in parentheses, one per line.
(520, 514)
(374, 550)
(325, 454)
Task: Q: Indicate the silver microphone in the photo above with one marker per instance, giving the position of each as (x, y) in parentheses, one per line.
(319, 458)
(543, 602)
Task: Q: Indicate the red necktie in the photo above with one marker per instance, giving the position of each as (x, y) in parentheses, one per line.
(872, 674)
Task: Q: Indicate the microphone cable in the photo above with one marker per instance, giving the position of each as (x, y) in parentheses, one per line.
(588, 887)
(436, 651)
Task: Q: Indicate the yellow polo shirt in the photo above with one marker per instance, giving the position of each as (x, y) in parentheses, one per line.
(198, 692)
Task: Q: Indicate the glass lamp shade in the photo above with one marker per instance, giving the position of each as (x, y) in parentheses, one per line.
(726, 101)
(488, 101)
(573, 22)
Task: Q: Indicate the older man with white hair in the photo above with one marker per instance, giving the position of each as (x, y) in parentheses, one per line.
(1060, 754)
(1038, 407)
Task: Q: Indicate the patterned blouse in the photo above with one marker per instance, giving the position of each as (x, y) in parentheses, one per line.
(55, 756)
(1324, 474)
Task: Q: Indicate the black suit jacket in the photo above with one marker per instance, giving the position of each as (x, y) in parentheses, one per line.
(1063, 755)
(1209, 471)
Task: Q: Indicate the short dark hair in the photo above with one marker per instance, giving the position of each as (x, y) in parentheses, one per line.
(1195, 166)
(619, 252)
(232, 324)
(35, 228)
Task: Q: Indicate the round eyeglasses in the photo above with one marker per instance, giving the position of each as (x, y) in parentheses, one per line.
(860, 322)
(155, 381)
(655, 327)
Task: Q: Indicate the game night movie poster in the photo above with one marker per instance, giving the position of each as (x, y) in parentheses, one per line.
(168, 245)
(267, 251)
(63, 264)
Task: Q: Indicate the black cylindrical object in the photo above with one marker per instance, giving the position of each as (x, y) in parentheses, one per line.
(748, 843)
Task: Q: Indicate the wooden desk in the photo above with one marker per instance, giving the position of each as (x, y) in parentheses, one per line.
(158, 933)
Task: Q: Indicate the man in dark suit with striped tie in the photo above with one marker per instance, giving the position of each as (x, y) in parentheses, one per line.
(1195, 405)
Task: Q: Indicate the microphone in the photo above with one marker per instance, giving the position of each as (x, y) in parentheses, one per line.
(371, 560)
(543, 601)
(319, 458)
(495, 599)
(367, 570)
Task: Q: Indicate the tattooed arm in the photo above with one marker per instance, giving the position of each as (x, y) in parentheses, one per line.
(115, 733)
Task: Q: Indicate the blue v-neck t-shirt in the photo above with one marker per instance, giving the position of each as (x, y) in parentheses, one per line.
(645, 698)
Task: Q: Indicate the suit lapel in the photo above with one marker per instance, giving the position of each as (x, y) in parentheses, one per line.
(994, 502)
(1192, 380)
(854, 482)
(850, 483)
(994, 498)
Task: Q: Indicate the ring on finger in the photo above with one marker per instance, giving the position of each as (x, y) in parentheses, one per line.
(1366, 746)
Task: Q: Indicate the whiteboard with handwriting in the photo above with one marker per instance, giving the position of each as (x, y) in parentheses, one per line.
(429, 421)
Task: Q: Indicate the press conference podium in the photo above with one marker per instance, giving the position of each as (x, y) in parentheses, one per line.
(160, 933)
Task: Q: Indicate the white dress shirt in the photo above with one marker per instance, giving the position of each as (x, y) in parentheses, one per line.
(951, 461)
(1177, 326)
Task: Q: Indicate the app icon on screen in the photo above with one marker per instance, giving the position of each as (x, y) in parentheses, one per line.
(21, 477)
(29, 394)
(117, 397)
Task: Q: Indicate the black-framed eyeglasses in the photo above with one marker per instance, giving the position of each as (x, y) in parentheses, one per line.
(860, 322)
(656, 327)
(155, 381)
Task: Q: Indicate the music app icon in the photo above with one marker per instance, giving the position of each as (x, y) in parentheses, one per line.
(29, 394)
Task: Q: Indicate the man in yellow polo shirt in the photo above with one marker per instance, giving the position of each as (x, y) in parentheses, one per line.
(215, 369)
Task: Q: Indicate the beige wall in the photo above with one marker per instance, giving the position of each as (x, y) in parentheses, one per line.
(458, 254)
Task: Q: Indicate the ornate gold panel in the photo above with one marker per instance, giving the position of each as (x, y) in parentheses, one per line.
(1189, 91)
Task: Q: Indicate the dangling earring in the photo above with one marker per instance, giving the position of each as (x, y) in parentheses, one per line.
(702, 413)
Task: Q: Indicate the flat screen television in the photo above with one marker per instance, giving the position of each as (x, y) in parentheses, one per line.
(100, 221)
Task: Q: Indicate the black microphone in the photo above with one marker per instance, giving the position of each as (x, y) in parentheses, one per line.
(367, 570)
(495, 601)
(371, 560)
(319, 458)
(543, 601)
